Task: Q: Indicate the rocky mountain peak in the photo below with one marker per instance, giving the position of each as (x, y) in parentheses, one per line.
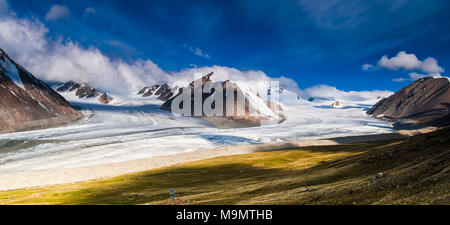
(68, 86)
(265, 112)
(27, 102)
(105, 98)
(202, 80)
(336, 103)
(85, 90)
(2, 55)
(424, 99)
(163, 92)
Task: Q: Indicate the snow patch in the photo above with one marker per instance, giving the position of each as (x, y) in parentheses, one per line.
(12, 72)
(259, 104)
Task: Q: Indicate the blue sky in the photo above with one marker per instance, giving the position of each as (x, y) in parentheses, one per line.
(312, 42)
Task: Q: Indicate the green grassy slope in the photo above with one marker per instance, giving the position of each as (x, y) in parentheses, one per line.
(414, 171)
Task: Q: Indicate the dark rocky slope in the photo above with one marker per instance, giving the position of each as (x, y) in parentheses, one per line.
(27, 102)
(164, 92)
(424, 100)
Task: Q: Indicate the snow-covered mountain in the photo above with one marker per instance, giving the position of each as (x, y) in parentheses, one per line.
(83, 90)
(27, 102)
(285, 97)
(161, 92)
(256, 110)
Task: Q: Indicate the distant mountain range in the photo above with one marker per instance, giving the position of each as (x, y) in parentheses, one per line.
(27, 102)
(84, 90)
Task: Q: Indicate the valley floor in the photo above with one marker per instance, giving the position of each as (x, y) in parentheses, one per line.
(137, 129)
(412, 170)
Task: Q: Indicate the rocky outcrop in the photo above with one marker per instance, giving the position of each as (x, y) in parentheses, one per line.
(85, 90)
(336, 104)
(425, 99)
(27, 102)
(68, 86)
(263, 112)
(105, 98)
(148, 91)
(163, 92)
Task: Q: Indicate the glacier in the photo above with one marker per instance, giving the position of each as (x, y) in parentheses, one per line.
(133, 127)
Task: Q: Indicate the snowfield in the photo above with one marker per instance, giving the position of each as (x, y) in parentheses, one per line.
(134, 127)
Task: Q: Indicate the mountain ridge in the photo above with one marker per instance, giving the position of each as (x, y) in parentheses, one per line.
(84, 90)
(28, 103)
(425, 99)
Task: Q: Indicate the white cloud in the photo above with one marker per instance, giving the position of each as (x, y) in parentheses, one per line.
(325, 91)
(405, 61)
(288, 84)
(416, 76)
(222, 73)
(196, 50)
(57, 12)
(408, 62)
(400, 79)
(64, 60)
(367, 67)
